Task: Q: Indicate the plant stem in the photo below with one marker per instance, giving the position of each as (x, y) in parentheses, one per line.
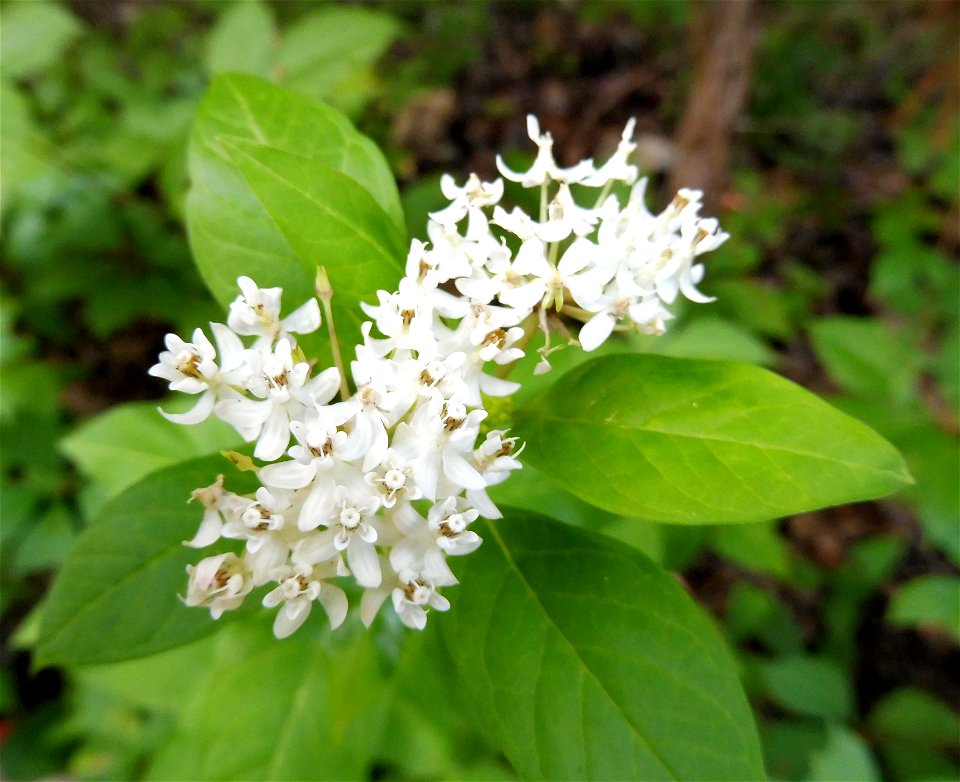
(325, 294)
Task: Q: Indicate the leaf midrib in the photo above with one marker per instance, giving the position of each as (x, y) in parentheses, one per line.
(714, 438)
(339, 217)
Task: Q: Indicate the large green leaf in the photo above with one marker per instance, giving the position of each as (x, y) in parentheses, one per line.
(587, 661)
(329, 221)
(231, 232)
(128, 442)
(308, 707)
(116, 596)
(689, 441)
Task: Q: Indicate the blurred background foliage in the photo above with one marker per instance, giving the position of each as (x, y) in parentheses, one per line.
(841, 273)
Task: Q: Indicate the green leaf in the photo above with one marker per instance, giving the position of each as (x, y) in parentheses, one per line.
(242, 39)
(26, 156)
(866, 357)
(529, 489)
(307, 707)
(128, 442)
(44, 542)
(158, 682)
(231, 233)
(34, 36)
(914, 717)
(329, 221)
(753, 613)
(757, 547)
(928, 601)
(701, 442)
(918, 764)
(713, 338)
(934, 458)
(116, 596)
(845, 758)
(789, 745)
(760, 307)
(587, 661)
(808, 685)
(333, 48)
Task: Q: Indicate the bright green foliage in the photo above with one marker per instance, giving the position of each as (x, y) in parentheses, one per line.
(34, 36)
(701, 442)
(307, 709)
(866, 357)
(138, 437)
(329, 53)
(928, 602)
(755, 615)
(913, 716)
(242, 40)
(94, 176)
(232, 230)
(757, 547)
(917, 733)
(350, 235)
(844, 758)
(116, 596)
(808, 685)
(587, 661)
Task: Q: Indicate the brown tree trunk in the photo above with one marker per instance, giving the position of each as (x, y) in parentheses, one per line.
(724, 34)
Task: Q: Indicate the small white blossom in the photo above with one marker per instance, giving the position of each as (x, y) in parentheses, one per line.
(219, 583)
(257, 312)
(299, 587)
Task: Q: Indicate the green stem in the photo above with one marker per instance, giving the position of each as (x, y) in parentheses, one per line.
(325, 294)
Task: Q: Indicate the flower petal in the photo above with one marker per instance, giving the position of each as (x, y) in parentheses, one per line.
(363, 561)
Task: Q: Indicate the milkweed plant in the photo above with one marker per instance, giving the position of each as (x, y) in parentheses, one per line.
(372, 379)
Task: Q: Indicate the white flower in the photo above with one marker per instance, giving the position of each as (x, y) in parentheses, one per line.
(322, 458)
(496, 459)
(448, 521)
(524, 227)
(257, 312)
(349, 500)
(350, 529)
(191, 368)
(219, 583)
(616, 168)
(220, 507)
(436, 443)
(285, 391)
(393, 480)
(416, 594)
(544, 168)
(472, 196)
(299, 587)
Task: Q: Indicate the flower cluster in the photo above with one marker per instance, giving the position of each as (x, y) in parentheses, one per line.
(384, 483)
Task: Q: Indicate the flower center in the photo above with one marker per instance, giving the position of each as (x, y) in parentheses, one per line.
(417, 593)
(188, 363)
(394, 479)
(350, 518)
(454, 524)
